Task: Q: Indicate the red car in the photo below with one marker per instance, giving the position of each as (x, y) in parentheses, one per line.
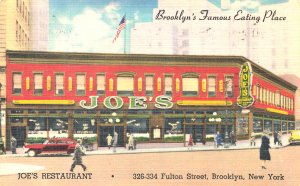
(51, 146)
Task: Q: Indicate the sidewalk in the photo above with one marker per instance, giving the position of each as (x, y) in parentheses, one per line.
(175, 147)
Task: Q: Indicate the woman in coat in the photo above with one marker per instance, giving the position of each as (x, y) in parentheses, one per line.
(264, 149)
(130, 142)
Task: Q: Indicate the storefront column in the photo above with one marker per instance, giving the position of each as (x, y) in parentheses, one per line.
(70, 125)
(250, 124)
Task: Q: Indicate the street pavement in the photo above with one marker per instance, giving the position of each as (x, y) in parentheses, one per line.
(176, 147)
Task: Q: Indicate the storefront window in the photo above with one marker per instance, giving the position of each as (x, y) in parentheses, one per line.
(242, 126)
(211, 129)
(85, 127)
(173, 126)
(139, 127)
(268, 125)
(111, 120)
(277, 126)
(16, 120)
(291, 125)
(37, 127)
(58, 127)
(284, 126)
(257, 125)
(196, 131)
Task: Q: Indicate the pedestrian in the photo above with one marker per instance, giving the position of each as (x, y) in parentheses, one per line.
(275, 138)
(109, 140)
(280, 138)
(252, 139)
(2, 149)
(264, 149)
(115, 141)
(85, 142)
(134, 143)
(232, 138)
(13, 145)
(130, 142)
(77, 158)
(219, 139)
(190, 142)
(215, 140)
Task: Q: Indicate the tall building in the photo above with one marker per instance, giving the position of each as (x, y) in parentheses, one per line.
(39, 27)
(14, 34)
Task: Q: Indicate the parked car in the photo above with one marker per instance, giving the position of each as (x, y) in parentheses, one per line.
(295, 137)
(51, 146)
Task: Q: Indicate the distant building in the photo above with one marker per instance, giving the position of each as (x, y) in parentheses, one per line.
(14, 35)
(39, 25)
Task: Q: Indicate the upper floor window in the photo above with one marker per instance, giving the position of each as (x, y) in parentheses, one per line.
(17, 83)
(38, 84)
(125, 85)
(258, 92)
(100, 84)
(190, 85)
(168, 85)
(149, 85)
(211, 86)
(277, 98)
(59, 84)
(80, 84)
(228, 86)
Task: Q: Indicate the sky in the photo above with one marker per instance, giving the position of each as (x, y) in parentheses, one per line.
(90, 25)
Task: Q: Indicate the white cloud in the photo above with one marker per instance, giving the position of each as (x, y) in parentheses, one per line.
(64, 20)
(112, 7)
(90, 32)
(136, 16)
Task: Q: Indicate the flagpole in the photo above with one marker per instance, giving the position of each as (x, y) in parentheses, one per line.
(125, 39)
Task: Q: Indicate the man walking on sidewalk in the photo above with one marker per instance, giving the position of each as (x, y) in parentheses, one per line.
(77, 159)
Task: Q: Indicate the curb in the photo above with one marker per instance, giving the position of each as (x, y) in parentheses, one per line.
(157, 150)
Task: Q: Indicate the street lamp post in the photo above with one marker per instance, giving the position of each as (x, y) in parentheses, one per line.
(0, 111)
(226, 140)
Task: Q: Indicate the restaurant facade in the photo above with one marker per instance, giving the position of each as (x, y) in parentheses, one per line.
(158, 98)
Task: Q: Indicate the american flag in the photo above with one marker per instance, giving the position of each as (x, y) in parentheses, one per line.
(122, 25)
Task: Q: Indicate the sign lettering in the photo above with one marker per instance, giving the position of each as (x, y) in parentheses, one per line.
(245, 98)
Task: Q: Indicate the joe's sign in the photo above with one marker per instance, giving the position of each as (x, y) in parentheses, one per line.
(135, 102)
(245, 98)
